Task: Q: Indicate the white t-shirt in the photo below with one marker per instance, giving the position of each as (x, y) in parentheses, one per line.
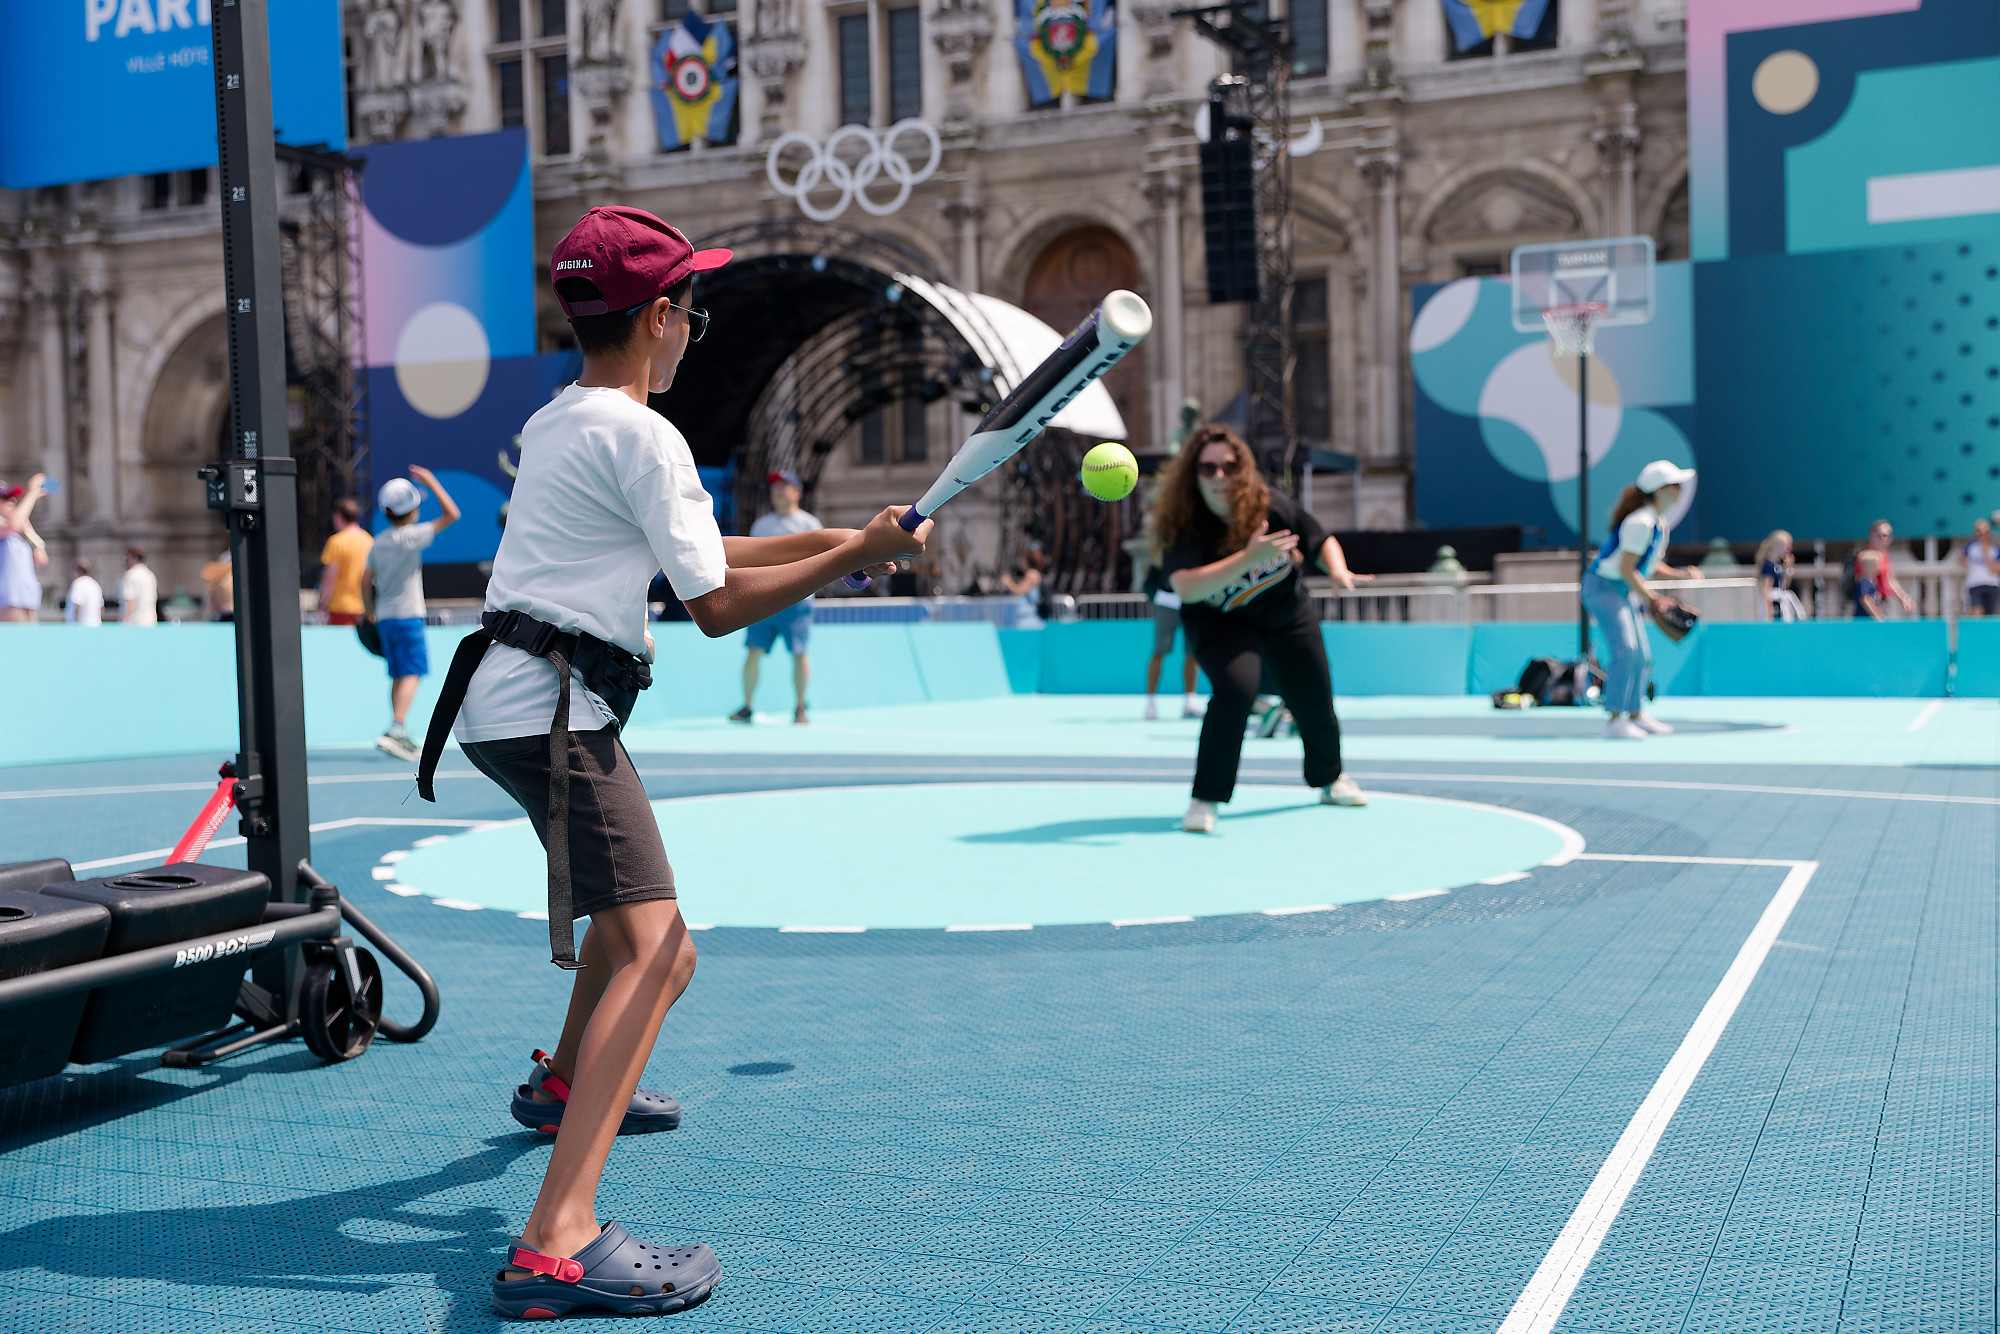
(607, 494)
(1635, 535)
(1977, 572)
(139, 597)
(86, 602)
(775, 524)
(397, 558)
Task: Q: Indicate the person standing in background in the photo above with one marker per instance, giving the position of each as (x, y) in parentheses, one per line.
(1981, 559)
(343, 564)
(1774, 579)
(138, 590)
(1869, 566)
(1025, 583)
(1616, 594)
(1167, 624)
(794, 622)
(84, 603)
(220, 576)
(1880, 534)
(394, 598)
(21, 553)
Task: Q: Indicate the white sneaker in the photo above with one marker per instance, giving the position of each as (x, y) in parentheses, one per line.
(1152, 709)
(1342, 791)
(1646, 722)
(1192, 707)
(1200, 817)
(1624, 729)
(399, 745)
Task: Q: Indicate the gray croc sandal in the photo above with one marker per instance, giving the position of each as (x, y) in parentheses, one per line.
(616, 1273)
(648, 1111)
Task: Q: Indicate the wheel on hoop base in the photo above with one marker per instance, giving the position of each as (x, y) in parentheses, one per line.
(337, 1020)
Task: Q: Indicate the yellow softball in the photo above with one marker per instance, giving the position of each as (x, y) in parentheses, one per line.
(1109, 471)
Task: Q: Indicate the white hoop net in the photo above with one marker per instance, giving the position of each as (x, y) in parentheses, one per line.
(1572, 328)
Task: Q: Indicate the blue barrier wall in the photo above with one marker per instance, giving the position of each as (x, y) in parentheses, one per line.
(1978, 659)
(99, 692)
(1501, 649)
(1824, 658)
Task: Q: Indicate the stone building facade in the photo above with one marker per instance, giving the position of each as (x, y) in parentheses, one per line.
(1432, 164)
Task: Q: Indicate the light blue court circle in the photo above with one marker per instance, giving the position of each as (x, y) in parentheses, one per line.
(1015, 854)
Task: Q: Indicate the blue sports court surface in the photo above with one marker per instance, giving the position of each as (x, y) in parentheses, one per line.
(1694, 1034)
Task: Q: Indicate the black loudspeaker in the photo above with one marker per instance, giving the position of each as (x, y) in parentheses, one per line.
(159, 907)
(1229, 207)
(38, 933)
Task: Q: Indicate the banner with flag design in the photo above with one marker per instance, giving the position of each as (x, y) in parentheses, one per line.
(1067, 46)
(692, 77)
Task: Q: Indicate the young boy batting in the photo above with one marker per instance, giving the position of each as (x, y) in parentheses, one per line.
(607, 494)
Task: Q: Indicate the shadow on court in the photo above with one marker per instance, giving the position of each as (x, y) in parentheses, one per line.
(340, 1243)
(1090, 831)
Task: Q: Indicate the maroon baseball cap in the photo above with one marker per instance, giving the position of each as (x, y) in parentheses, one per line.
(630, 255)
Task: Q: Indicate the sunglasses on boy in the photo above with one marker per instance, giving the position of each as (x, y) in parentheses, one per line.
(1216, 469)
(697, 318)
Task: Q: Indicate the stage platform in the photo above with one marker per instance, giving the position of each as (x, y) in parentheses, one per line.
(1690, 1034)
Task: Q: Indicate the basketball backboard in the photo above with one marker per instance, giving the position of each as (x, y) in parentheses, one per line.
(1616, 274)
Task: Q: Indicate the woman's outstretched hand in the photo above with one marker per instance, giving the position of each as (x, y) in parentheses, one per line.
(1265, 544)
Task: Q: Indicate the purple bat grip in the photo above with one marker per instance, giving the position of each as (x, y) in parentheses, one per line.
(858, 581)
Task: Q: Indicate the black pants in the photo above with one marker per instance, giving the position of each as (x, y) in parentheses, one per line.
(1236, 655)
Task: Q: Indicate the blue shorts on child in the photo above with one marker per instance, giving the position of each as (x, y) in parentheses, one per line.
(403, 648)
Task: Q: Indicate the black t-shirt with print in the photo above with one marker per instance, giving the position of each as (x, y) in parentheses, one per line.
(1269, 596)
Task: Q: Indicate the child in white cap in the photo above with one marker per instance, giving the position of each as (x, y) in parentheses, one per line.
(393, 596)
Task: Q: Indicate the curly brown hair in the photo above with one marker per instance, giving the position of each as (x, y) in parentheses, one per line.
(1179, 495)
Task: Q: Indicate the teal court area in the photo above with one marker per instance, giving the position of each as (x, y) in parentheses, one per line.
(1695, 1034)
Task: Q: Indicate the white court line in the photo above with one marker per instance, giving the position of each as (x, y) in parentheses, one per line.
(1148, 921)
(1001, 926)
(1674, 786)
(1293, 912)
(350, 822)
(1511, 876)
(1414, 894)
(1930, 712)
(1541, 1304)
(817, 930)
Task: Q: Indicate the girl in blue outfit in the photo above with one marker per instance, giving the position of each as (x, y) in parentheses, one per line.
(1616, 595)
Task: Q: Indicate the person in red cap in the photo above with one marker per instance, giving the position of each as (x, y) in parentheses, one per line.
(607, 494)
(795, 622)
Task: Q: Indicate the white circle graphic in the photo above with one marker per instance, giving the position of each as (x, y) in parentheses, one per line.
(442, 359)
(1785, 82)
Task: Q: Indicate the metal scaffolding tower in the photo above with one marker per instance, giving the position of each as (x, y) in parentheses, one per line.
(1259, 90)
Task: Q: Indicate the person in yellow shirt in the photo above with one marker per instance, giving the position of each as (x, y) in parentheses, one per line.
(344, 561)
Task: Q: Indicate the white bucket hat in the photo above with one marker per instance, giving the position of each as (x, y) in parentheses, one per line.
(1661, 473)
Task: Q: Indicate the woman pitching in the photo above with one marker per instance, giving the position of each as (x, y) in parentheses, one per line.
(1232, 549)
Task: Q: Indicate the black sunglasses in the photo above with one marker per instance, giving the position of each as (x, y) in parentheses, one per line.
(697, 318)
(1216, 469)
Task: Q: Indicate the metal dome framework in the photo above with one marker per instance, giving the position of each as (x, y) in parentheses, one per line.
(814, 328)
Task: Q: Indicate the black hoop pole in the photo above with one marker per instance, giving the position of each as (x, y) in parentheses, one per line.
(1582, 501)
(256, 483)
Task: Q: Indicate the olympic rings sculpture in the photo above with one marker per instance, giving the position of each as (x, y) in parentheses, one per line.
(879, 157)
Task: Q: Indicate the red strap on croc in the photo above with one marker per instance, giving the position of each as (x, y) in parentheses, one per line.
(560, 1268)
(554, 1087)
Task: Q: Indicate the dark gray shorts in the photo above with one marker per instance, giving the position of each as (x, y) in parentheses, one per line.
(1166, 620)
(615, 852)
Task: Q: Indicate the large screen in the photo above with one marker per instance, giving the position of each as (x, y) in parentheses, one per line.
(92, 89)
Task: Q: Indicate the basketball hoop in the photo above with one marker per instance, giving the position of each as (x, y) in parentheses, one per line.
(1571, 327)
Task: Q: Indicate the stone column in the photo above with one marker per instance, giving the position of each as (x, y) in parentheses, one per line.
(1612, 68)
(1382, 443)
(1164, 189)
(99, 439)
(48, 299)
(964, 214)
(1157, 21)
